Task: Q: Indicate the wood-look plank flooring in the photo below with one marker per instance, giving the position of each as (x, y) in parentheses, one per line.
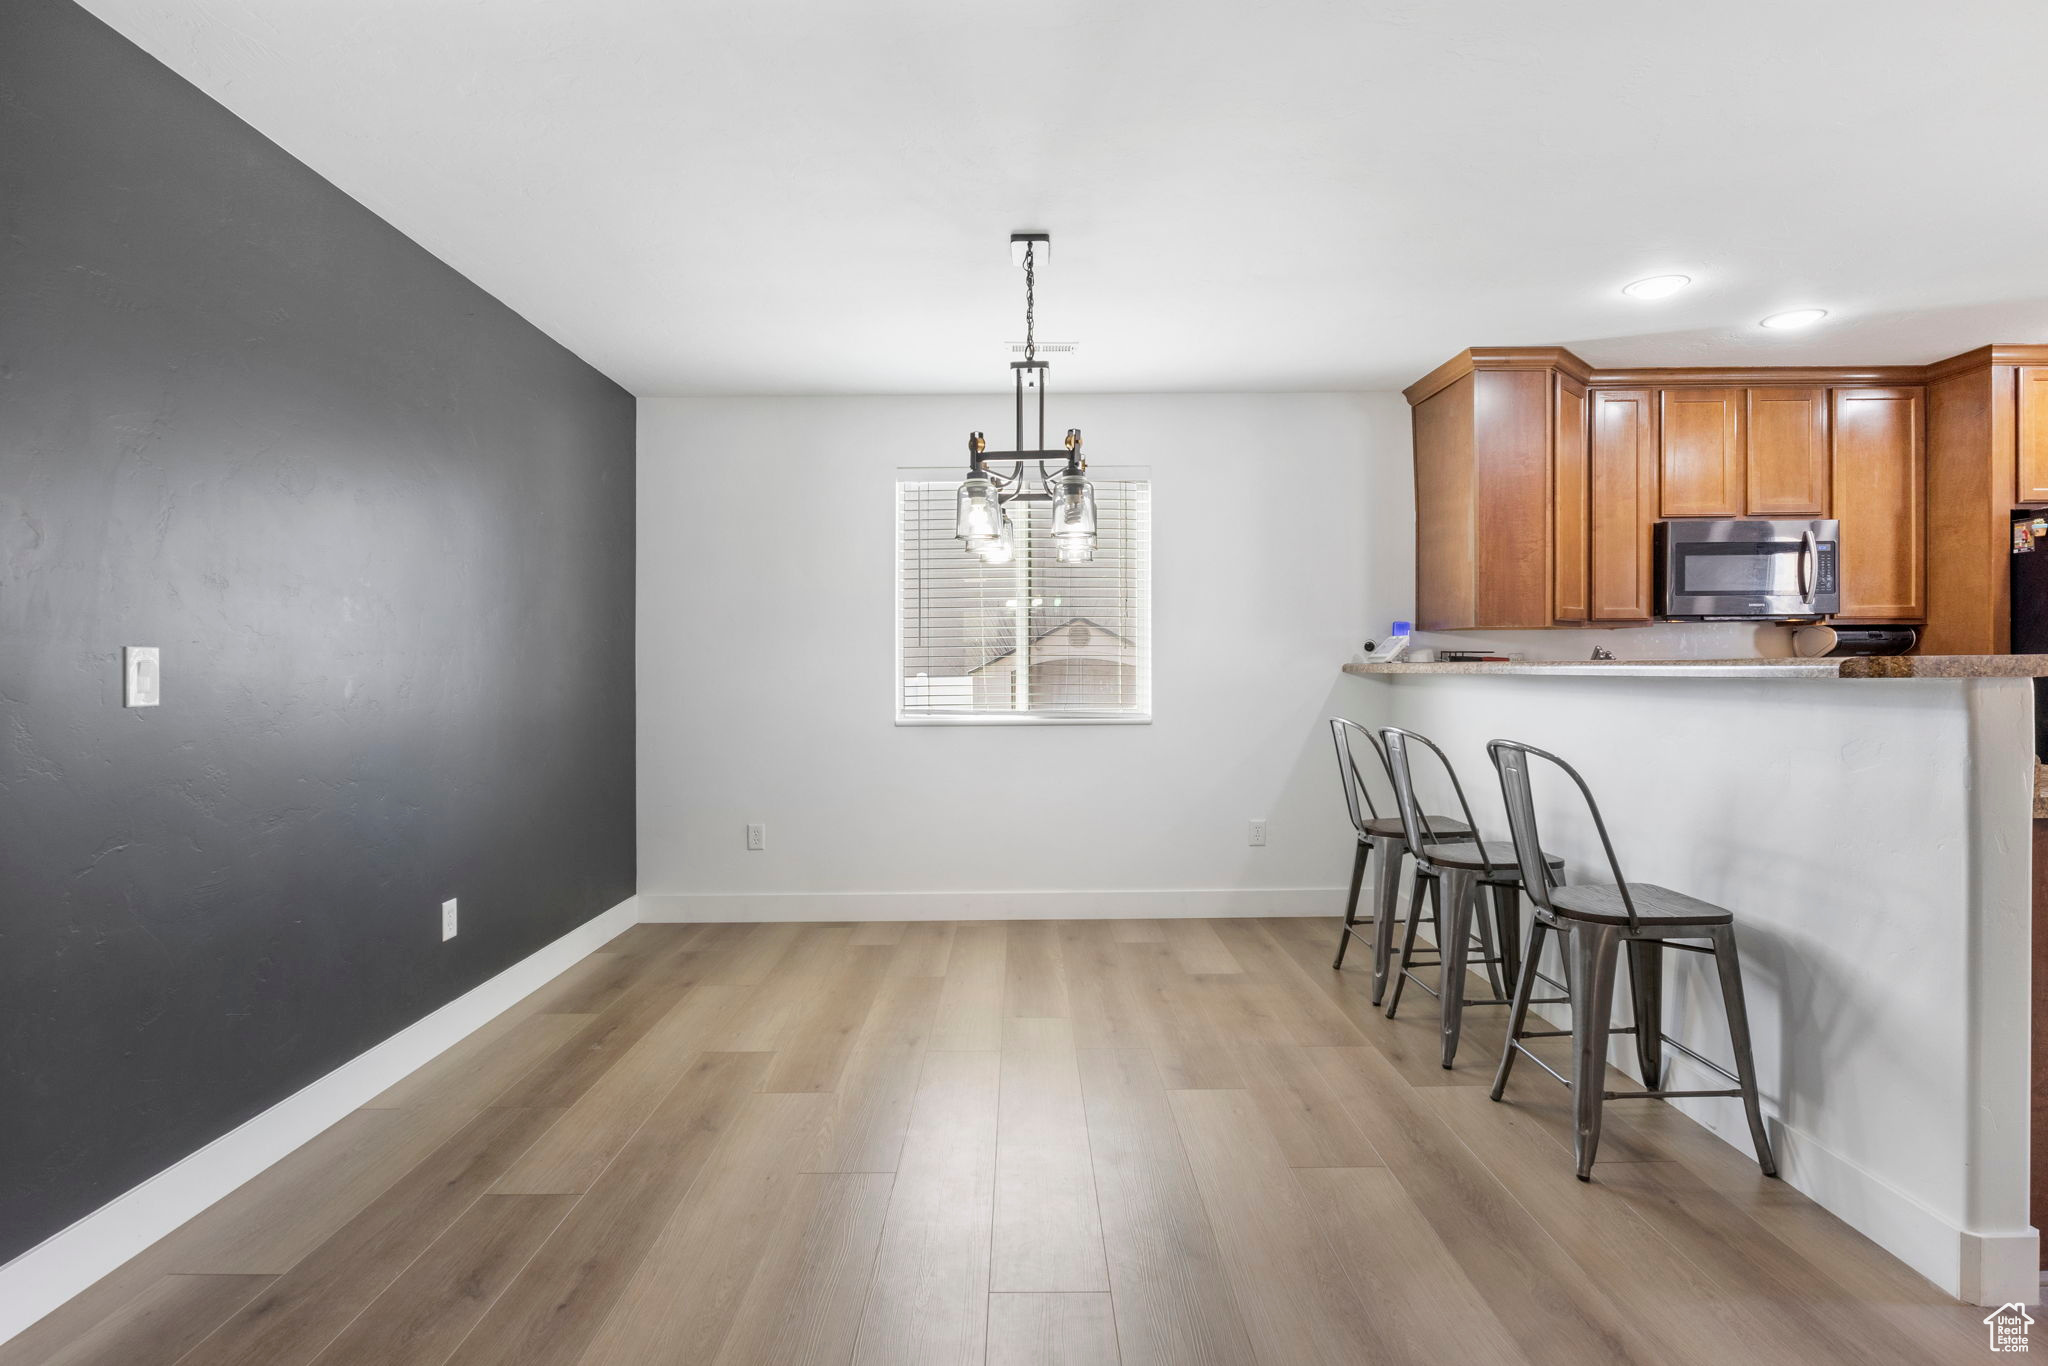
(1061, 1143)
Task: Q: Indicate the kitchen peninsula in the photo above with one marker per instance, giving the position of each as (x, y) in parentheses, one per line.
(1867, 819)
(1871, 833)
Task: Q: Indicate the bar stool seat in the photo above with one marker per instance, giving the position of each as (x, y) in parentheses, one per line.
(1493, 860)
(1600, 903)
(1390, 826)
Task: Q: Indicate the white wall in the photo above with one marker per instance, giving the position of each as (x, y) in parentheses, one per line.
(766, 668)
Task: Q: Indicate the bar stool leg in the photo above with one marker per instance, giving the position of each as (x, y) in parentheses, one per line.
(1489, 954)
(1454, 931)
(1518, 1013)
(1507, 919)
(1730, 968)
(1386, 887)
(1408, 936)
(1646, 987)
(1595, 952)
(1351, 906)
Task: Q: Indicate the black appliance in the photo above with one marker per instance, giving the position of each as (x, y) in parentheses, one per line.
(2030, 613)
(1840, 642)
(1747, 569)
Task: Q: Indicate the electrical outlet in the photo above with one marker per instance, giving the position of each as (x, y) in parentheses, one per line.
(757, 837)
(447, 920)
(1257, 834)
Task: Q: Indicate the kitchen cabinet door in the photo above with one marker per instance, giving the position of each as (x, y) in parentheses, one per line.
(1622, 472)
(1880, 477)
(1702, 449)
(1569, 508)
(1788, 453)
(2033, 433)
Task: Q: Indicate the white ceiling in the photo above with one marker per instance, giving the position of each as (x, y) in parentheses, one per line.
(798, 196)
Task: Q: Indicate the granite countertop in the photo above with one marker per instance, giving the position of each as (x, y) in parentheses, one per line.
(1854, 666)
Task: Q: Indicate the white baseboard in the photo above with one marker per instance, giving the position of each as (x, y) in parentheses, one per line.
(65, 1263)
(1191, 903)
(1977, 1267)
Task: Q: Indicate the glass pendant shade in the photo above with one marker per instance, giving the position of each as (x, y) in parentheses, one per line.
(1073, 517)
(979, 518)
(1073, 506)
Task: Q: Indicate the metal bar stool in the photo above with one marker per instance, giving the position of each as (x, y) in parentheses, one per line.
(1455, 871)
(1593, 921)
(1379, 836)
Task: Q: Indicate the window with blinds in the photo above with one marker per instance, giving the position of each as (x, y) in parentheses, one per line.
(1032, 640)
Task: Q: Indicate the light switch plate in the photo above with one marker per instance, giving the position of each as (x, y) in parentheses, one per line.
(139, 681)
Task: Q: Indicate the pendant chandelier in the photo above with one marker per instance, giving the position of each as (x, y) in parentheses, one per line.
(983, 522)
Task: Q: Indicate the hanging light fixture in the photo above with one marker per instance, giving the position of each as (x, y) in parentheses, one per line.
(983, 522)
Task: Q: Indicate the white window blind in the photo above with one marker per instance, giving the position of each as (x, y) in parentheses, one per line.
(1032, 640)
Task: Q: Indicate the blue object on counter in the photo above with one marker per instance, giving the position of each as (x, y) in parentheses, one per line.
(1402, 628)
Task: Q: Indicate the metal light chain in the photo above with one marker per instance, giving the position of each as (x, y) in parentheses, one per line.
(1030, 301)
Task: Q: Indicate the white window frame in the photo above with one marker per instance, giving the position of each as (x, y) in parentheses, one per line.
(1139, 716)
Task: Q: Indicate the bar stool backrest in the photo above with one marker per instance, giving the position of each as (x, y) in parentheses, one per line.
(1358, 798)
(1415, 828)
(1511, 761)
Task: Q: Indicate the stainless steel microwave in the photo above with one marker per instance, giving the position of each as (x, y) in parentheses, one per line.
(1748, 570)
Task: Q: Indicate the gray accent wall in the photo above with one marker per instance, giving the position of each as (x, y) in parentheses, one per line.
(381, 529)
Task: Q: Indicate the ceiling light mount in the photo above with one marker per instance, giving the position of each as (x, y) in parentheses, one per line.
(1039, 243)
(1792, 318)
(982, 521)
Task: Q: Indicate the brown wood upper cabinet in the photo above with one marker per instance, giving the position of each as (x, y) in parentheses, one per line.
(1535, 495)
(2032, 381)
(1483, 502)
(1787, 453)
(1622, 469)
(1702, 452)
(1744, 452)
(1880, 476)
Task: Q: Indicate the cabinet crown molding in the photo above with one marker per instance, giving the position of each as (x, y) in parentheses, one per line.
(1984, 357)
(1496, 358)
(1564, 362)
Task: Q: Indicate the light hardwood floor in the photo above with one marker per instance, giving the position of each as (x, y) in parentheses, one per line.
(1033, 1143)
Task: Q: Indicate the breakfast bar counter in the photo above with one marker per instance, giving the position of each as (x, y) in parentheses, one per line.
(1849, 666)
(1869, 822)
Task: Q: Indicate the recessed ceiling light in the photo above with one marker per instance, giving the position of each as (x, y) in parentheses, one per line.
(1657, 286)
(1794, 317)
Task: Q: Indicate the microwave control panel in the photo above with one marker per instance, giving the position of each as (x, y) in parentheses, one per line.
(1824, 568)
